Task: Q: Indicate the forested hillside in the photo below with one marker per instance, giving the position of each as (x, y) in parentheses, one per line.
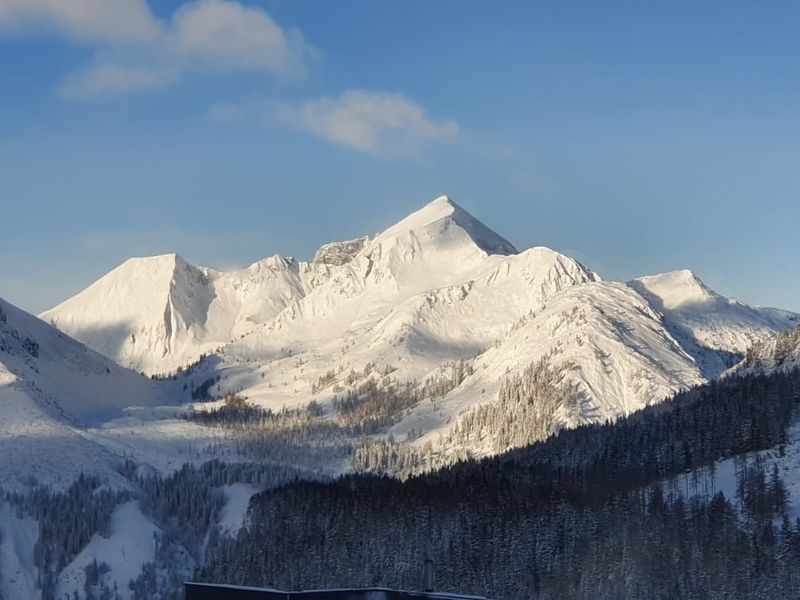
(620, 510)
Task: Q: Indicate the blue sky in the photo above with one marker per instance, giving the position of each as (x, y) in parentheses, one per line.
(638, 137)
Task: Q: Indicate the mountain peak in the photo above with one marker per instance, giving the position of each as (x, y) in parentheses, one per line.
(442, 200)
(675, 289)
(155, 258)
(170, 260)
(439, 215)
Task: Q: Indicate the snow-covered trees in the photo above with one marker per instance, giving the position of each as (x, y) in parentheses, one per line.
(448, 377)
(326, 380)
(289, 436)
(781, 351)
(185, 506)
(786, 344)
(526, 411)
(67, 521)
(93, 585)
(372, 406)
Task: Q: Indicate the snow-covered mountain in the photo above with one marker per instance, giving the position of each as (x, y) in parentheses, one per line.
(435, 288)
(436, 316)
(158, 313)
(716, 330)
(51, 389)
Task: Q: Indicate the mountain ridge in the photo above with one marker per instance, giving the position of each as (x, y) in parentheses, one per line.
(436, 288)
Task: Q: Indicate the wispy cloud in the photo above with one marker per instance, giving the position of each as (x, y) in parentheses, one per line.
(83, 21)
(115, 79)
(228, 112)
(376, 123)
(136, 51)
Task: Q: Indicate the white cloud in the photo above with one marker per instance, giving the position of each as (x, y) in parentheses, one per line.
(136, 51)
(84, 21)
(112, 79)
(230, 35)
(377, 123)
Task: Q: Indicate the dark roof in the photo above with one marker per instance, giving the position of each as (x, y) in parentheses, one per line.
(212, 591)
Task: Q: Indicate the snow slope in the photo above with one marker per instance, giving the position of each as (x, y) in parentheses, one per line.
(50, 387)
(74, 381)
(129, 545)
(233, 513)
(17, 570)
(716, 330)
(65, 409)
(158, 313)
(37, 447)
(612, 345)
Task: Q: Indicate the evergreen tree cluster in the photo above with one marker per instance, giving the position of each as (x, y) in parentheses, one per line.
(783, 349)
(371, 407)
(94, 587)
(448, 377)
(185, 504)
(290, 436)
(526, 411)
(67, 521)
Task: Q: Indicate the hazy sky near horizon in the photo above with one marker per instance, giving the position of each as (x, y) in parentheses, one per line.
(638, 137)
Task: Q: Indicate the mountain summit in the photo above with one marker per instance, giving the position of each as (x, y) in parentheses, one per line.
(158, 313)
(440, 217)
(676, 289)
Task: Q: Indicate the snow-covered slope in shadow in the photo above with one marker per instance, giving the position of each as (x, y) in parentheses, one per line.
(65, 409)
(72, 380)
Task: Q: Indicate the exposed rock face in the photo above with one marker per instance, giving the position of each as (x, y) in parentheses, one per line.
(340, 253)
